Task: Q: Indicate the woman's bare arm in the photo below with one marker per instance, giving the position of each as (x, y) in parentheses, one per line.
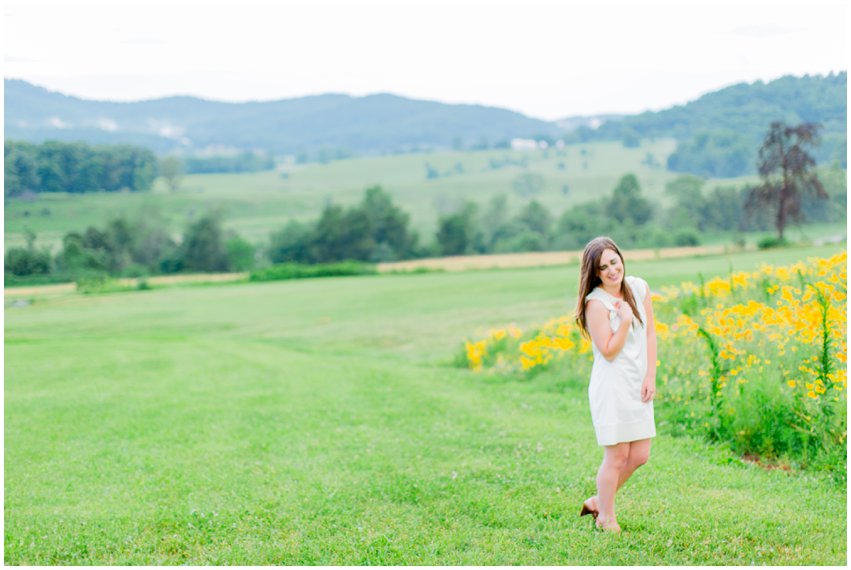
(608, 343)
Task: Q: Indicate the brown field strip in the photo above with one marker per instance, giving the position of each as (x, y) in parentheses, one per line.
(456, 263)
(537, 259)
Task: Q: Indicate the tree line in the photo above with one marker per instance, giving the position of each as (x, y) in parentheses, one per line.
(376, 229)
(134, 248)
(76, 167)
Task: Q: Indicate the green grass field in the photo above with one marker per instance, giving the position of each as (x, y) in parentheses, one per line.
(319, 422)
(256, 204)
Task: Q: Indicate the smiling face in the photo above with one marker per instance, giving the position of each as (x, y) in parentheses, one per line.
(610, 269)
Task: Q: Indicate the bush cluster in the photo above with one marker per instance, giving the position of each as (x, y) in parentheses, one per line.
(285, 271)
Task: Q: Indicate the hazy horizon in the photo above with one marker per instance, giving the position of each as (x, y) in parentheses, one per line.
(189, 95)
(548, 60)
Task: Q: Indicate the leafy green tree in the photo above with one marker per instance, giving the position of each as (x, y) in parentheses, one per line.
(20, 173)
(22, 261)
(203, 247)
(627, 205)
(535, 218)
(51, 160)
(151, 241)
(581, 223)
(495, 221)
(240, 253)
(291, 244)
(787, 171)
(77, 254)
(357, 239)
(388, 225)
(144, 169)
(77, 167)
(458, 233)
(341, 235)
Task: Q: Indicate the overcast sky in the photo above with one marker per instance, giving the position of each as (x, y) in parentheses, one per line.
(546, 59)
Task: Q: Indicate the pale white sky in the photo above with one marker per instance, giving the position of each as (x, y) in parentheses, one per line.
(545, 59)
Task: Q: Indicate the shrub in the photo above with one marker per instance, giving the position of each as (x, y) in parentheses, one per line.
(686, 238)
(93, 282)
(771, 242)
(23, 261)
(285, 271)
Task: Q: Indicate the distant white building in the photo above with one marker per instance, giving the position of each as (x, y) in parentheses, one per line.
(524, 144)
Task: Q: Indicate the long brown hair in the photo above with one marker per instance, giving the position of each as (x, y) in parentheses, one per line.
(588, 278)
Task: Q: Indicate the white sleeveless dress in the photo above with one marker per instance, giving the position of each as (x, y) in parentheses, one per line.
(617, 411)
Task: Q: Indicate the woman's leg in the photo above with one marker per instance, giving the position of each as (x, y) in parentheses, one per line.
(639, 453)
(615, 458)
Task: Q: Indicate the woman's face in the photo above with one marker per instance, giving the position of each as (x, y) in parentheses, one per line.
(610, 269)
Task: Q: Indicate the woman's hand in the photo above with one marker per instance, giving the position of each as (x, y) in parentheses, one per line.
(648, 389)
(624, 312)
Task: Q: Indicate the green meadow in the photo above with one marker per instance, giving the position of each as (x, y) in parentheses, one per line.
(321, 422)
(256, 204)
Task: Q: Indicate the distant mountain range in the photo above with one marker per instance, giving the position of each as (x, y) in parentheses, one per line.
(383, 123)
(371, 124)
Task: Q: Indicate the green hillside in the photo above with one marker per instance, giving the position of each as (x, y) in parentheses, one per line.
(258, 203)
(719, 133)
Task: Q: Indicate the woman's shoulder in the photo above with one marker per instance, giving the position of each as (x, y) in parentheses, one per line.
(597, 295)
(639, 284)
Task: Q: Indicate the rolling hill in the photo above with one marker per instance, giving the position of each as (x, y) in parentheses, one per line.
(373, 124)
(718, 134)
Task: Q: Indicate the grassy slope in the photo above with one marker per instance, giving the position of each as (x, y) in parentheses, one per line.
(255, 204)
(315, 422)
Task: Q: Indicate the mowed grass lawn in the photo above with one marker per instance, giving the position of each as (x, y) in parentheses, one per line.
(320, 422)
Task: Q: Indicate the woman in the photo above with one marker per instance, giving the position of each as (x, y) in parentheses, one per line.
(615, 311)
